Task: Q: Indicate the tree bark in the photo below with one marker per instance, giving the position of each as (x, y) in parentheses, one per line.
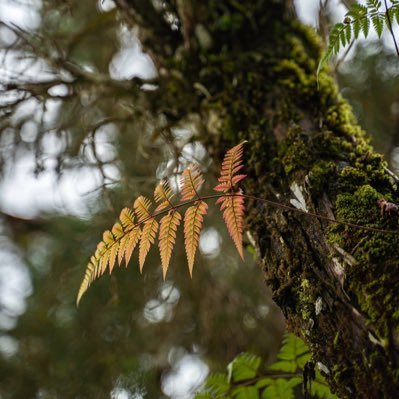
(249, 72)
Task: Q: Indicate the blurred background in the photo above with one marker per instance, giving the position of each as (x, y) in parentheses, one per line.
(71, 157)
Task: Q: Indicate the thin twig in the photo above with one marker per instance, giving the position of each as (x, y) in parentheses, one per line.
(269, 202)
(342, 59)
(390, 27)
(316, 215)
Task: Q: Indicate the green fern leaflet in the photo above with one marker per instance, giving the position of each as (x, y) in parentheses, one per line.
(358, 20)
(246, 379)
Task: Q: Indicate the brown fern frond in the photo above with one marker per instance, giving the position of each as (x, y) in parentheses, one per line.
(127, 218)
(193, 219)
(100, 250)
(99, 262)
(191, 181)
(94, 263)
(232, 206)
(129, 242)
(142, 208)
(163, 195)
(233, 215)
(139, 226)
(147, 238)
(167, 237)
(232, 163)
(87, 279)
(117, 233)
(130, 237)
(108, 240)
(116, 243)
(109, 253)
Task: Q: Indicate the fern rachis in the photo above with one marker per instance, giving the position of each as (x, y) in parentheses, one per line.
(139, 226)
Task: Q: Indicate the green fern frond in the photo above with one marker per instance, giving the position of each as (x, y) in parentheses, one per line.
(244, 367)
(245, 379)
(378, 21)
(373, 5)
(358, 19)
(338, 35)
(293, 355)
(282, 388)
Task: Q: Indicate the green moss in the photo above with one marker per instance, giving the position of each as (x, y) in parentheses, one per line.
(291, 74)
(335, 236)
(327, 89)
(296, 155)
(350, 178)
(358, 207)
(309, 36)
(328, 145)
(294, 151)
(305, 303)
(340, 117)
(373, 279)
(319, 175)
(230, 22)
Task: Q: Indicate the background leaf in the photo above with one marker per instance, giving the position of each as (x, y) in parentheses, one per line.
(281, 388)
(244, 367)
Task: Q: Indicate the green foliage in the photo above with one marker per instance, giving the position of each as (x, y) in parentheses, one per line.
(358, 19)
(281, 388)
(280, 380)
(244, 367)
(293, 355)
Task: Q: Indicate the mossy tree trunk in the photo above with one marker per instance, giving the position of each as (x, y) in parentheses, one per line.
(248, 71)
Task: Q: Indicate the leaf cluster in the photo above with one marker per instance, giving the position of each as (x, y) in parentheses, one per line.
(140, 225)
(358, 19)
(244, 378)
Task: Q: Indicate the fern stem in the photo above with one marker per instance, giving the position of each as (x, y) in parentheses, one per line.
(271, 375)
(390, 27)
(316, 215)
(266, 201)
(342, 59)
(269, 202)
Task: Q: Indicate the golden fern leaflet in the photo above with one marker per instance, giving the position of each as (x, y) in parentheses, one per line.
(191, 182)
(142, 208)
(232, 205)
(193, 219)
(232, 163)
(138, 227)
(233, 215)
(167, 237)
(131, 238)
(163, 195)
